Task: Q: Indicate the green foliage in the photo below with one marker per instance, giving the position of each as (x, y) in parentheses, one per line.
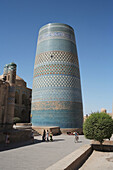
(98, 126)
(16, 120)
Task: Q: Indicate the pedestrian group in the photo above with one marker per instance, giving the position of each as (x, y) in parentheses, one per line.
(47, 136)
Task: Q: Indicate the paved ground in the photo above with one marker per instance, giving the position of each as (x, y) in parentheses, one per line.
(40, 155)
(99, 161)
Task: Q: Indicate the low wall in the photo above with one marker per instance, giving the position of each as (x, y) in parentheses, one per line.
(74, 160)
(16, 136)
(23, 126)
(107, 146)
(65, 130)
(55, 129)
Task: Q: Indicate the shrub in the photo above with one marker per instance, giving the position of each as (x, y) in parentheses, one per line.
(98, 126)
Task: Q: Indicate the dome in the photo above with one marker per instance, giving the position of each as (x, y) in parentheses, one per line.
(20, 81)
(12, 64)
(19, 78)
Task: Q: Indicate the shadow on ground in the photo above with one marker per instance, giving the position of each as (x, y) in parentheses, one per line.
(58, 140)
(4, 147)
(79, 142)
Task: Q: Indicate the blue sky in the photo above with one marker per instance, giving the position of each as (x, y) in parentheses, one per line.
(92, 20)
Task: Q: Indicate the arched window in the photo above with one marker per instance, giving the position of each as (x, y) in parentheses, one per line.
(17, 97)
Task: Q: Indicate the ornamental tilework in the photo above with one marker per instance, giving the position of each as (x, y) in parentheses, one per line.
(56, 105)
(55, 94)
(60, 27)
(12, 89)
(56, 81)
(57, 69)
(61, 118)
(56, 56)
(55, 35)
(11, 100)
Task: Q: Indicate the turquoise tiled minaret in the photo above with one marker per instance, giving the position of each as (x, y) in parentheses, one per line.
(56, 96)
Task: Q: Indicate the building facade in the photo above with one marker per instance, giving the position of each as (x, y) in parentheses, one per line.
(56, 97)
(15, 97)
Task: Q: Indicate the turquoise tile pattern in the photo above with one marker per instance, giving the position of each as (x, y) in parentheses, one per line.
(56, 95)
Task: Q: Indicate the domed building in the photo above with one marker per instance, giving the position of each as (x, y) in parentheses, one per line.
(15, 97)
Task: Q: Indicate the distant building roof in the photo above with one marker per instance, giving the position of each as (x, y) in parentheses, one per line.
(17, 77)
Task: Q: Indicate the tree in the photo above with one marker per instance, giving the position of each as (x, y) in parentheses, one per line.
(98, 126)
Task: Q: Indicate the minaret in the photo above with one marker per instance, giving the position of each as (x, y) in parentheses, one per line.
(11, 78)
(56, 95)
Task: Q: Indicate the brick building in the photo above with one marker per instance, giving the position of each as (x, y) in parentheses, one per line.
(15, 97)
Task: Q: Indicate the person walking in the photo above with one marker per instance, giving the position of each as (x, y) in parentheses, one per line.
(51, 136)
(44, 135)
(47, 135)
(76, 136)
